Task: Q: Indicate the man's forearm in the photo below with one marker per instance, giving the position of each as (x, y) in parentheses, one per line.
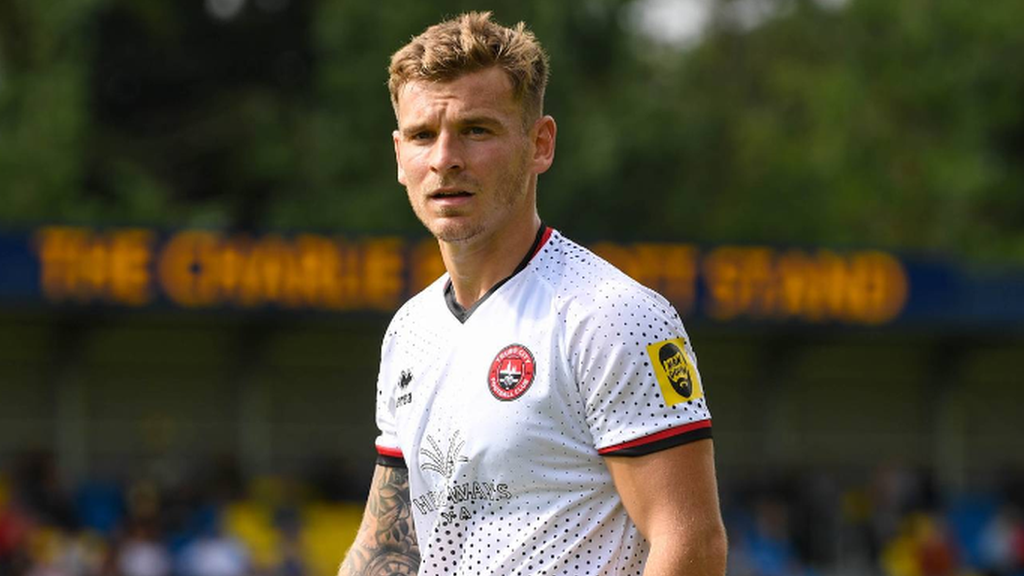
(367, 562)
(386, 544)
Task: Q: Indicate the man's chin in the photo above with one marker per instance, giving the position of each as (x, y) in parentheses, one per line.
(454, 233)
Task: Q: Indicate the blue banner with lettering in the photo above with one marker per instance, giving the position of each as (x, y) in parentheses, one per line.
(205, 270)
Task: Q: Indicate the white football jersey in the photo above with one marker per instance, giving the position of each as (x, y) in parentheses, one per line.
(502, 414)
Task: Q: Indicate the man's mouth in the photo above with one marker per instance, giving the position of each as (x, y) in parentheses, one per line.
(442, 194)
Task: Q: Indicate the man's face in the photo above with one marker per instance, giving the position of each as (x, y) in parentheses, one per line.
(465, 158)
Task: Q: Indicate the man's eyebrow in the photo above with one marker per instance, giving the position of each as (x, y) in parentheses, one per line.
(414, 129)
(474, 120)
(479, 120)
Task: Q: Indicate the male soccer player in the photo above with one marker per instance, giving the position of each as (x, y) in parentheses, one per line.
(539, 411)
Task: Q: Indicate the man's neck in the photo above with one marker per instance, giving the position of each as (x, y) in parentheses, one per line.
(477, 265)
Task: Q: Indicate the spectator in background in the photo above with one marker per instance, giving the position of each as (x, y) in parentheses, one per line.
(1002, 543)
(922, 547)
(142, 554)
(214, 554)
(14, 532)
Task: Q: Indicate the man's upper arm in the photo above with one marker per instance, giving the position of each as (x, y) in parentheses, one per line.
(386, 541)
(672, 497)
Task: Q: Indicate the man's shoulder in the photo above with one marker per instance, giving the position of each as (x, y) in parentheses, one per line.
(581, 278)
(602, 311)
(419, 307)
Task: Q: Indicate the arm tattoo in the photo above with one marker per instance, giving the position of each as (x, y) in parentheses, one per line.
(386, 544)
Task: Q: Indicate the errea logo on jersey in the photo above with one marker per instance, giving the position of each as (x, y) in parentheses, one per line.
(511, 372)
(676, 375)
(403, 382)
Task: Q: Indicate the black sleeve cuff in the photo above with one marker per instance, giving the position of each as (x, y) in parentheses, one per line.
(661, 441)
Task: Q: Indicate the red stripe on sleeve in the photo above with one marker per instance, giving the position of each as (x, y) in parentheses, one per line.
(658, 436)
(390, 452)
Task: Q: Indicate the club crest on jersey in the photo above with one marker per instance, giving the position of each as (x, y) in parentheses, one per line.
(511, 372)
(677, 377)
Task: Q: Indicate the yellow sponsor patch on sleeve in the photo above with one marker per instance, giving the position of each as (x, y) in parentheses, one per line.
(677, 377)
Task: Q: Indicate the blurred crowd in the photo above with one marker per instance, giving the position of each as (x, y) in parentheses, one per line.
(893, 522)
(214, 523)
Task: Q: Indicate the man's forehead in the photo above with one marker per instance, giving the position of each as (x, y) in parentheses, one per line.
(488, 89)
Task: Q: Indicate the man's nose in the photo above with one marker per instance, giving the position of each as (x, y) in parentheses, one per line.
(447, 154)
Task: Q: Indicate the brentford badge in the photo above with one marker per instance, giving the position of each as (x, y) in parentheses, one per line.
(511, 372)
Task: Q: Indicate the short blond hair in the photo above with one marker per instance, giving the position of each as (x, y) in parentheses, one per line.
(468, 43)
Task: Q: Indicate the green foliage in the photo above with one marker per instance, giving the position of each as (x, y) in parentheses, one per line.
(43, 111)
(878, 123)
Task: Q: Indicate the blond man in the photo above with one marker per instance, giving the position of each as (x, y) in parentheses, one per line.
(539, 411)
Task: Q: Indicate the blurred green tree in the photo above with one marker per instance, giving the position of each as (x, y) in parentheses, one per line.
(886, 123)
(44, 108)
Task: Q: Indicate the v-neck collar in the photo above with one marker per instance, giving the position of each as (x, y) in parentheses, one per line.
(462, 314)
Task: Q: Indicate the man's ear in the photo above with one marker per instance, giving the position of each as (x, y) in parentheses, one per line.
(395, 136)
(543, 135)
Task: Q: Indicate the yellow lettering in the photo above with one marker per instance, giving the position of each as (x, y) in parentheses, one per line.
(383, 269)
(320, 259)
(250, 279)
(199, 269)
(59, 248)
(187, 269)
(267, 261)
(721, 274)
(78, 264)
(93, 270)
(131, 256)
(349, 275)
(758, 293)
(796, 281)
(738, 282)
(884, 287)
(866, 287)
(232, 257)
(679, 276)
(427, 264)
(304, 281)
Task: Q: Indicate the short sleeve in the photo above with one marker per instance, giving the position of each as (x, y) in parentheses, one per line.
(637, 373)
(389, 453)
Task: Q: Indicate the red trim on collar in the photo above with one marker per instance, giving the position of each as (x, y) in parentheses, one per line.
(543, 240)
